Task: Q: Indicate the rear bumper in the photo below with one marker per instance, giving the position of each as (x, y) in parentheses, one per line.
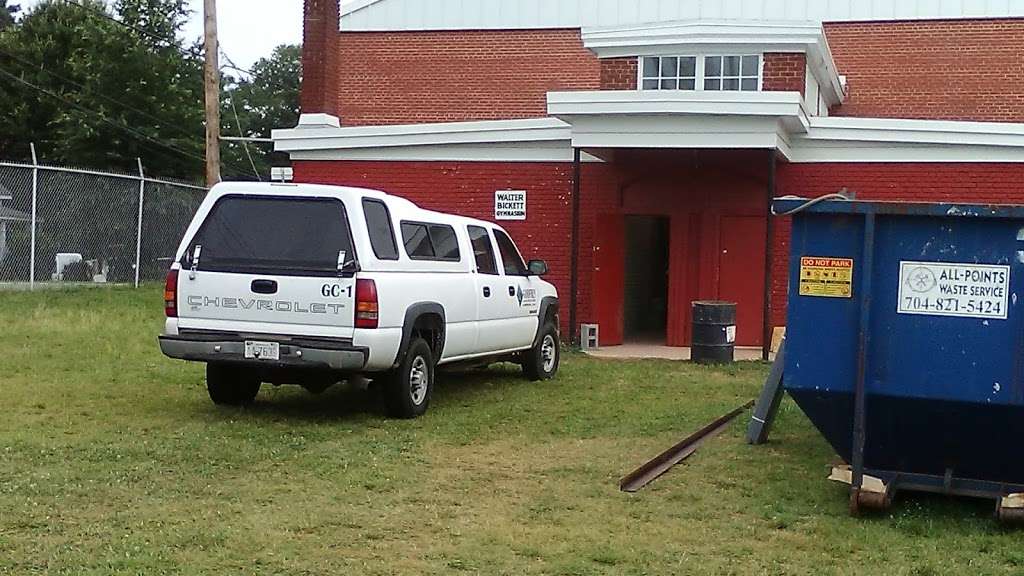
(294, 353)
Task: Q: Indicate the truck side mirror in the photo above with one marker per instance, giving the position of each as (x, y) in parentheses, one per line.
(538, 267)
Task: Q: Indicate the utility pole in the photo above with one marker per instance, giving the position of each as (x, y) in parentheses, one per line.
(211, 85)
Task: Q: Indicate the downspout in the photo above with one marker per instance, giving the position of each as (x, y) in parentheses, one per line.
(766, 337)
(574, 255)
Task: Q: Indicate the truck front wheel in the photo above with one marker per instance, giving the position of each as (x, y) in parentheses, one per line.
(541, 361)
(231, 386)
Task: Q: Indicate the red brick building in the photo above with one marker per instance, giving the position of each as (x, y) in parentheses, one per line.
(650, 136)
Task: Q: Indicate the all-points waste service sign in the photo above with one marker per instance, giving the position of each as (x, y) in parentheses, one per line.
(510, 205)
(965, 289)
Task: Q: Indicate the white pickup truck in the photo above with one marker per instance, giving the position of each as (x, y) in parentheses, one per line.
(309, 285)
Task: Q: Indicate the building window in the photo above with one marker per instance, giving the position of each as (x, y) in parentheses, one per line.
(669, 72)
(732, 73)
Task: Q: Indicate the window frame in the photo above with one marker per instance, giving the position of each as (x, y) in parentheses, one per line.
(504, 269)
(660, 79)
(700, 75)
(489, 235)
(427, 225)
(391, 228)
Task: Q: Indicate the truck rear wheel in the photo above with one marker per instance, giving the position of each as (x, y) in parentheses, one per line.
(231, 386)
(408, 389)
(541, 361)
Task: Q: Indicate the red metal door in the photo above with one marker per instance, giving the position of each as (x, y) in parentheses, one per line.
(741, 273)
(609, 277)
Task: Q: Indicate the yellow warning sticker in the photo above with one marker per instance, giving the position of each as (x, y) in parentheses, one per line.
(826, 276)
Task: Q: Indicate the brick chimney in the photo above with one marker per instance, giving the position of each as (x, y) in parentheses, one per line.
(320, 58)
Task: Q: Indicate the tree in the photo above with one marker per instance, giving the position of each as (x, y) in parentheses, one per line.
(7, 13)
(267, 99)
(91, 91)
(100, 86)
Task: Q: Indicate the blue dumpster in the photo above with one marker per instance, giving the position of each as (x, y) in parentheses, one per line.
(905, 343)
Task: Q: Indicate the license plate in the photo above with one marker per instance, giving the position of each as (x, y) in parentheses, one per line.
(262, 350)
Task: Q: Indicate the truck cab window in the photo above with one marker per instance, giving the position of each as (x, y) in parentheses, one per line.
(483, 252)
(510, 257)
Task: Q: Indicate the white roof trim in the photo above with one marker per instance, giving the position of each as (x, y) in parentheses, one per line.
(666, 120)
(846, 139)
(722, 37)
(528, 140)
(485, 132)
(680, 119)
(619, 102)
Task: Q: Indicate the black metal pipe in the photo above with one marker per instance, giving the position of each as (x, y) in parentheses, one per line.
(864, 340)
(766, 336)
(574, 257)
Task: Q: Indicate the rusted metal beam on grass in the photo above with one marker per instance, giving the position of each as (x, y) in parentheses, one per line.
(661, 463)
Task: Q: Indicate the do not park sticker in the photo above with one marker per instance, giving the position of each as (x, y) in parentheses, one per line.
(826, 276)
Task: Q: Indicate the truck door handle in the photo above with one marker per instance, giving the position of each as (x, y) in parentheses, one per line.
(487, 291)
(511, 290)
(264, 286)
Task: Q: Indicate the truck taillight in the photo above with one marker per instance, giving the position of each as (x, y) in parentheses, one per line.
(366, 304)
(171, 294)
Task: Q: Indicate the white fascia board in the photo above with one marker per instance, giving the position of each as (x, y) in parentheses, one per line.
(882, 153)
(785, 106)
(703, 37)
(852, 129)
(846, 139)
(700, 32)
(484, 132)
(823, 66)
(500, 152)
(679, 131)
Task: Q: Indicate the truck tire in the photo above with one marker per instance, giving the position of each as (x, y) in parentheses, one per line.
(231, 386)
(541, 361)
(408, 389)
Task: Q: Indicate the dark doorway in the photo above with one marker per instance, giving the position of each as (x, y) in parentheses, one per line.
(645, 306)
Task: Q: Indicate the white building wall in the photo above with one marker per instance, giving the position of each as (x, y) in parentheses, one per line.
(497, 14)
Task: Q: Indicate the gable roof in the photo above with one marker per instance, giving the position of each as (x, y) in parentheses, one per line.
(392, 15)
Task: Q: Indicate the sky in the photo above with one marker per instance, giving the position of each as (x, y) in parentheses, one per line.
(248, 29)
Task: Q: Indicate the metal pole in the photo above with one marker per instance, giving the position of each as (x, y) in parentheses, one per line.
(766, 337)
(864, 340)
(138, 232)
(35, 194)
(574, 242)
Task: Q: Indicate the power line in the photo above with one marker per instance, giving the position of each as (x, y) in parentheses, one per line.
(103, 96)
(107, 120)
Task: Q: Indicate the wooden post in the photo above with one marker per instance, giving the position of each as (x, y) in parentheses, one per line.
(211, 86)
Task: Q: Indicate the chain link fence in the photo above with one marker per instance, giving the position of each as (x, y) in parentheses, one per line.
(65, 225)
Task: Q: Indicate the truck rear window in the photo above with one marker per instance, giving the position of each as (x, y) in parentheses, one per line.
(273, 235)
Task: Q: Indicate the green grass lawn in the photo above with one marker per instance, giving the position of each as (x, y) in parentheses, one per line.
(114, 461)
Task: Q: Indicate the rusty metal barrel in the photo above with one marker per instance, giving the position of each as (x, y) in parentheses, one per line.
(714, 332)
